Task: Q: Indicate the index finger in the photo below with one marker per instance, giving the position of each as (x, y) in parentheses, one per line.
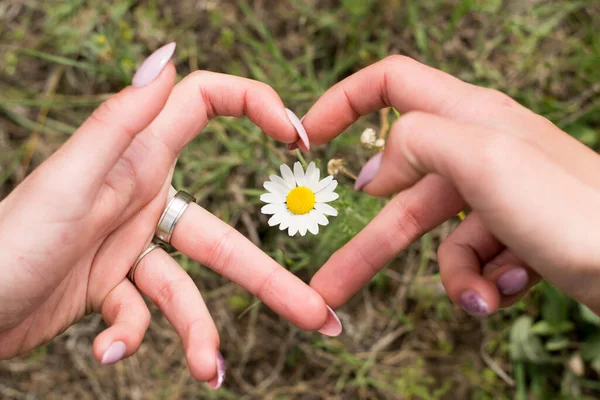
(208, 240)
(404, 84)
(193, 102)
(203, 95)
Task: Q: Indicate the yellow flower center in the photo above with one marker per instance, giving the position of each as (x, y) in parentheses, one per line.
(300, 200)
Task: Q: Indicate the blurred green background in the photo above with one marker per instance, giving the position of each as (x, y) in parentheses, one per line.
(403, 339)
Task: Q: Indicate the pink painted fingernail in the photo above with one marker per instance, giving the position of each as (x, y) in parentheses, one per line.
(153, 65)
(472, 303)
(218, 380)
(115, 352)
(368, 172)
(333, 326)
(299, 128)
(513, 281)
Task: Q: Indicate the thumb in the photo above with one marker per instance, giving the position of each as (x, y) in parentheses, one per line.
(519, 192)
(99, 143)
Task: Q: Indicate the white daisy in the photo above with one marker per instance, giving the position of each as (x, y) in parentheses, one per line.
(297, 200)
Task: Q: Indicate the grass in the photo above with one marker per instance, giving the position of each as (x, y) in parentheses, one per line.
(403, 339)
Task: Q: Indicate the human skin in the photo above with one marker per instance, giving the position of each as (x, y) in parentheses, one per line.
(532, 188)
(71, 231)
(69, 242)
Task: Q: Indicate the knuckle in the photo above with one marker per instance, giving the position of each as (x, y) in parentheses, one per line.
(365, 255)
(495, 96)
(220, 252)
(263, 290)
(268, 89)
(107, 116)
(167, 291)
(397, 60)
(198, 75)
(198, 80)
(444, 249)
(406, 133)
(405, 222)
(411, 122)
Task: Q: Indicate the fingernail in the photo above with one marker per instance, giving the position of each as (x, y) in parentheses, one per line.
(368, 172)
(333, 326)
(473, 304)
(153, 65)
(513, 281)
(218, 380)
(115, 352)
(299, 128)
(292, 146)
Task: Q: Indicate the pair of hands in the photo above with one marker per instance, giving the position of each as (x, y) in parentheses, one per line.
(74, 227)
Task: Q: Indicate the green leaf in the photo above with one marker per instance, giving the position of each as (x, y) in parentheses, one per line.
(358, 8)
(461, 9)
(544, 328)
(418, 29)
(557, 343)
(590, 349)
(588, 315)
(524, 345)
(555, 305)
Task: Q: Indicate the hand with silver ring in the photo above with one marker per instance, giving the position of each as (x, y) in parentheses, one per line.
(73, 229)
(165, 228)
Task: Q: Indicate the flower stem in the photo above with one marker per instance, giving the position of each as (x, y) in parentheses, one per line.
(301, 159)
(348, 173)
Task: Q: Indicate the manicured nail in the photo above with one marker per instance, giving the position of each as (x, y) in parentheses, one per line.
(473, 304)
(218, 380)
(368, 172)
(333, 326)
(299, 128)
(115, 352)
(292, 146)
(153, 65)
(513, 281)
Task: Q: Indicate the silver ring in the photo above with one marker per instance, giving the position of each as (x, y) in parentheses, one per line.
(171, 215)
(153, 246)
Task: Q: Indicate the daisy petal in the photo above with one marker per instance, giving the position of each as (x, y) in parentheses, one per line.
(272, 198)
(311, 168)
(324, 197)
(285, 221)
(270, 209)
(326, 209)
(276, 188)
(299, 127)
(311, 172)
(299, 174)
(276, 219)
(319, 217)
(330, 188)
(288, 176)
(282, 182)
(317, 176)
(323, 184)
(293, 229)
(313, 227)
(302, 224)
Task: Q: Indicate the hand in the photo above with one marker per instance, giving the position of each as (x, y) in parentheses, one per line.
(72, 230)
(533, 189)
